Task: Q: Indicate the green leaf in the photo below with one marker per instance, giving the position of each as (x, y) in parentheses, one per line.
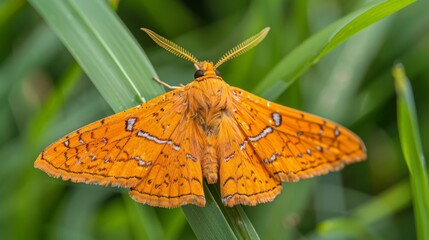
(312, 50)
(412, 150)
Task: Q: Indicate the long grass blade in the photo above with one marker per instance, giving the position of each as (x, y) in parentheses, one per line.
(412, 150)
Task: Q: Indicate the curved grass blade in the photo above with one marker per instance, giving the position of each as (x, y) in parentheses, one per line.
(412, 149)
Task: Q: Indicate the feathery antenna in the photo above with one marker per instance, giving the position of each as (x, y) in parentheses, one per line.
(243, 47)
(171, 46)
(234, 52)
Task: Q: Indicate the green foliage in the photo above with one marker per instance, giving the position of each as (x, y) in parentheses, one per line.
(44, 95)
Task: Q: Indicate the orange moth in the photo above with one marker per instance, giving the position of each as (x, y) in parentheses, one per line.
(163, 149)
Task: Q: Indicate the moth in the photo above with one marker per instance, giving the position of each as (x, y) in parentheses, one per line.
(163, 149)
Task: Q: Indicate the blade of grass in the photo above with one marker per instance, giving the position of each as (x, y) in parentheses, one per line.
(308, 53)
(206, 223)
(412, 150)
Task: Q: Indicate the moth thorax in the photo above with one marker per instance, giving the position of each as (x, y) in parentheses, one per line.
(210, 165)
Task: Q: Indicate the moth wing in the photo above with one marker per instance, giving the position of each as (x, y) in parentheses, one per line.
(291, 144)
(122, 149)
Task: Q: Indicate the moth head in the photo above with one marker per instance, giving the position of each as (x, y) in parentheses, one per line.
(205, 68)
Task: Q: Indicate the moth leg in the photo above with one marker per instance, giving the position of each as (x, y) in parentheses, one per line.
(166, 84)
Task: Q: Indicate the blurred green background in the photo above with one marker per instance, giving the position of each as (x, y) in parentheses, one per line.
(45, 94)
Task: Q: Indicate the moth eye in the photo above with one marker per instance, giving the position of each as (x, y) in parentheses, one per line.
(198, 73)
(217, 72)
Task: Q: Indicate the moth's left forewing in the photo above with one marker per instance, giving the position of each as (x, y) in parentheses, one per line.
(145, 148)
(292, 144)
(117, 150)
